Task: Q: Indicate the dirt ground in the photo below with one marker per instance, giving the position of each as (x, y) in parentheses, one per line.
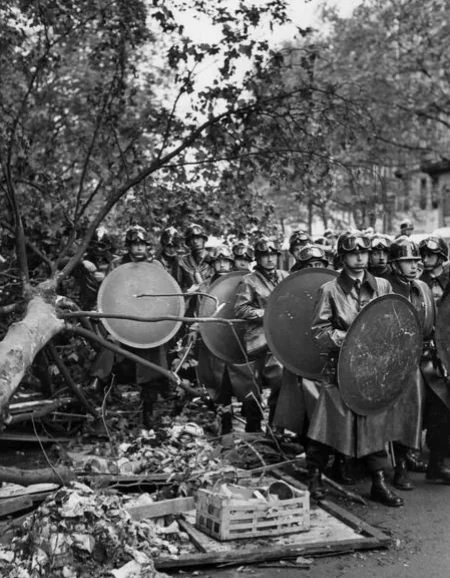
(420, 533)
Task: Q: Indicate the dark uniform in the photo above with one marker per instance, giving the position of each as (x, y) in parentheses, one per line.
(195, 267)
(333, 424)
(221, 379)
(251, 300)
(436, 392)
(168, 255)
(436, 273)
(152, 382)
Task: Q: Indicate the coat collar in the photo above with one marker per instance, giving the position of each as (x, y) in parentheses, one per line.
(346, 283)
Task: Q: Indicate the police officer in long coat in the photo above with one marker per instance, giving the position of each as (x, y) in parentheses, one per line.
(151, 381)
(251, 300)
(404, 255)
(334, 425)
(436, 269)
(221, 379)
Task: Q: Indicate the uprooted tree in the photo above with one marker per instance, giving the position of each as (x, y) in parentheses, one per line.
(102, 114)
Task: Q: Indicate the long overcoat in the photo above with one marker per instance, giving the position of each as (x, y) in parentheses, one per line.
(333, 423)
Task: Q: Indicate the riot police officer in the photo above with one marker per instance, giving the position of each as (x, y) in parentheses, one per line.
(169, 253)
(221, 379)
(243, 256)
(297, 241)
(436, 269)
(196, 266)
(378, 261)
(404, 255)
(152, 382)
(251, 300)
(334, 426)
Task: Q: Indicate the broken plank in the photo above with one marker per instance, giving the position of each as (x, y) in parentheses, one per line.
(343, 515)
(162, 508)
(251, 556)
(197, 538)
(11, 505)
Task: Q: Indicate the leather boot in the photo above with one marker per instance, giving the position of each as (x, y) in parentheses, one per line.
(226, 422)
(401, 476)
(147, 414)
(316, 490)
(253, 426)
(414, 462)
(437, 471)
(339, 471)
(381, 493)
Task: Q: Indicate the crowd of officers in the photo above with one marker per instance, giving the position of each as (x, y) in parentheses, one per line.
(369, 265)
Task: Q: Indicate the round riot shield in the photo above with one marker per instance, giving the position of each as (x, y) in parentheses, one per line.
(443, 331)
(288, 318)
(118, 295)
(380, 354)
(224, 341)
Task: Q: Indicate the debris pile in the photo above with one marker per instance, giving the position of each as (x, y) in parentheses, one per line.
(79, 533)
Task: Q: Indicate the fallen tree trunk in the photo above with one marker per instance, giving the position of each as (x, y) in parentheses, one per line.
(56, 475)
(22, 342)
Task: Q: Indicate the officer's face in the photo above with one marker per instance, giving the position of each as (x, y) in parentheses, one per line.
(241, 264)
(356, 262)
(295, 250)
(222, 266)
(138, 251)
(430, 260)
(169, 250)
(314, 263)
(408, 268)
(378, 258)
(268, 261)
(197, 243)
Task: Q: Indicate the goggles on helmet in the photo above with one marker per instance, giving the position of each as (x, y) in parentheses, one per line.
(380, 244)
(355, 243)
(221, 252)
(266, 246)
(136, 236)
(432, 244)
(243, 251)
(311, 252)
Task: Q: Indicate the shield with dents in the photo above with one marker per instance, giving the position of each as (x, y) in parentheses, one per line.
(118, 295)
(442, 334)
(380, 354)
(288, 318)
(224, 340)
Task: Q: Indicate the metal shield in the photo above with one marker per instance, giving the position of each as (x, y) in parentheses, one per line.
(288, 318)
(225, 342)
(380, 354)
(117, 295)
(442, 334)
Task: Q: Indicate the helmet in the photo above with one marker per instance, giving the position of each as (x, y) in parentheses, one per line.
(406, 225)
(329, 233)
(222, 252)
(136, 234)
(243, 251)
(195, 230)
(101, 241)
(379, 242)
(403, 249)
(434, 244)
(170, 236)
(352, 242)
(299, 238)
(265, 245)
(312, 253)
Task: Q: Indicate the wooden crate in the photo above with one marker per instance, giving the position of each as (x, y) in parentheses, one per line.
(227, 518)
